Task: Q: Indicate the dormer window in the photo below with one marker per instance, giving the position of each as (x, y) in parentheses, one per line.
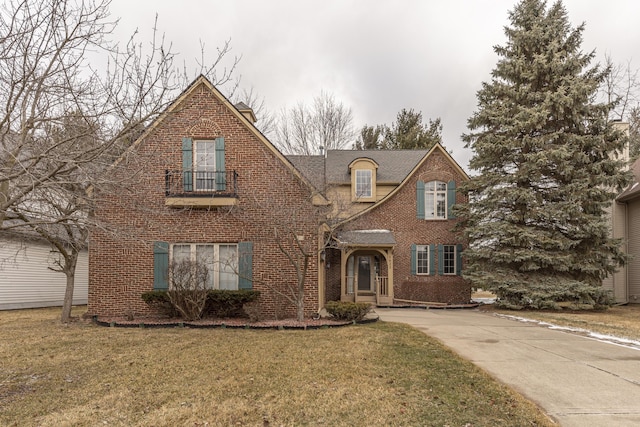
(364, 183)
(363, 179)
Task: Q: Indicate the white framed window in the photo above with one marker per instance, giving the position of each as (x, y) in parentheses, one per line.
(364, 184)
(449, 259)
(221, 260)
(435, 200)
(422, 259)
(204, 165)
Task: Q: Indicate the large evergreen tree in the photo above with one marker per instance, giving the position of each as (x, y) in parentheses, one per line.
(546, 165)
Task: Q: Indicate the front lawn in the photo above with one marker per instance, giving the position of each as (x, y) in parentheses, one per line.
(371, 375)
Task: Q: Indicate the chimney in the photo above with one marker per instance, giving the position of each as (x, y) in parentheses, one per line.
(246, 111)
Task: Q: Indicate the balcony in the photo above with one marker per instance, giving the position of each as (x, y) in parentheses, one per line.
(200, 189)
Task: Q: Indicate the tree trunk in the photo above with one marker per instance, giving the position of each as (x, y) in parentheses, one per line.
(70, 272)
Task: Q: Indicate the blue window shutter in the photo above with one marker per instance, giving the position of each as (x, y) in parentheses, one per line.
(432, 257)
(420, 199)
(187, 164)
(440, 260)
(414, 260)
(221, 178)
(245, 265)
(451, 198)
(160, 265)
(459, 259)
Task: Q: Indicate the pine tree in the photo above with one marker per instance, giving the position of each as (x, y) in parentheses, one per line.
(546, 165)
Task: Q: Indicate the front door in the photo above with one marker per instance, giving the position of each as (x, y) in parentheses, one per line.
(365, 282)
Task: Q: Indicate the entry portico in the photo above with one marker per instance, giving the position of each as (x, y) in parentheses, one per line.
(366, 265)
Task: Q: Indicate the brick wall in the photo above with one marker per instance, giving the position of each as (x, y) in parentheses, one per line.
(135, 215)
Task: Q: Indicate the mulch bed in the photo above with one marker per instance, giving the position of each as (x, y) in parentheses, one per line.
(239, 323)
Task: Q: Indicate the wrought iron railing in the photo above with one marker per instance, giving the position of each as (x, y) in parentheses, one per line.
(190, 183)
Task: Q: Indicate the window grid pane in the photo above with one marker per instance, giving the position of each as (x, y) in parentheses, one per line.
(435, 200)
(205, 164)
(228, 267)
(205, 254)
(449, 259)
(422, 259)
(363, 183)
(181, 253)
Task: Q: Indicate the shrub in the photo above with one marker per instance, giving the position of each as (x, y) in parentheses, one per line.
(159, 302)
(188, 294)
(227, 303)
(350, 311)
(220, 303)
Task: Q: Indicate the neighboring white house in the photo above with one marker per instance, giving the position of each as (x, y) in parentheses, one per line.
(26, 281)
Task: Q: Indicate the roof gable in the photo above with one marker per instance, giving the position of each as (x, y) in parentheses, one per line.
(436, 148)
(202, 81)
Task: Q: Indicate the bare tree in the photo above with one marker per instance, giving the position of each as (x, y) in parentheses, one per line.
(299, 224)
(325, 125)
(188, 293)
(621, 89)
(62, 122)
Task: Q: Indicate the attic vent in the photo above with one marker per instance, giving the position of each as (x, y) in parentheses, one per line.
(246, 111)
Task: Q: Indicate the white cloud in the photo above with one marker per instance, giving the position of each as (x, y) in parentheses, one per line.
(376, 57)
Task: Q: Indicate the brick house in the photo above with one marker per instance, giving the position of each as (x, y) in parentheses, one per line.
(394, 241)
(202, 183)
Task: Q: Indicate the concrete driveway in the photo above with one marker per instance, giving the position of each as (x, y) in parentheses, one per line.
(578, 381)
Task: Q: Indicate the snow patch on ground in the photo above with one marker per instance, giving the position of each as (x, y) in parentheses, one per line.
(624, 342)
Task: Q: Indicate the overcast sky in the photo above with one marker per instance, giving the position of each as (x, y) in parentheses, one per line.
(375, 56)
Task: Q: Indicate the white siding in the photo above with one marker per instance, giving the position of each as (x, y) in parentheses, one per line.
(26, 281)
(634, 250)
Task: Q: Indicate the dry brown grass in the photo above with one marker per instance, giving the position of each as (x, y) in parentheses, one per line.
(619, 321)
(377, 374)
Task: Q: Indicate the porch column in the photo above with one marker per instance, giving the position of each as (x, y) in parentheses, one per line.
(343, 274)
(390, 273)
(345, 253)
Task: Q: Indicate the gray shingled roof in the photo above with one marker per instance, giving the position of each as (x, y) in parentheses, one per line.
(367, 237)
(312, 167)
(393, 165)
(633, 190)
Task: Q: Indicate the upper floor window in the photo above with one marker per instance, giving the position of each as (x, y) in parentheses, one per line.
(435, 199)
(363, 183)
(204, 165)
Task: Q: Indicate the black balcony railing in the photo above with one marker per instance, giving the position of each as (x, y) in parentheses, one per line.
(190, 183)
